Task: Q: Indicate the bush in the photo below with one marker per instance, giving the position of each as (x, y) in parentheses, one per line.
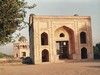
(1, 55)
(27, 60)
(97, 51)
(96, 56)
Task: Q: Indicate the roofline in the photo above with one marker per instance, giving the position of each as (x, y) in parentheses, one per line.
(56, 16)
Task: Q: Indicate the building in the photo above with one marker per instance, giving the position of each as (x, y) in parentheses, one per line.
(21, 48)
(59, 38)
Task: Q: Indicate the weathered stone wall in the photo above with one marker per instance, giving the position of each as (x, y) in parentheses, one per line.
(18, 49)
(72, 26)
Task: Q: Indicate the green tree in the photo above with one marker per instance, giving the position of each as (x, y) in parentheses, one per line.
(97, 51)
(11, 16)
(12, 13)
(1, 55)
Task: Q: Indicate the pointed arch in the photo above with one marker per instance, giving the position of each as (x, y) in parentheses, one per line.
(62, 35)
(83, 53)
(44, 38)
(45, 56)
(68, 36)
(82, 37)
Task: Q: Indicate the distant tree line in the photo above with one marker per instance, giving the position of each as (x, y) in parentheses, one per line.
(2, 55)
(97, 51)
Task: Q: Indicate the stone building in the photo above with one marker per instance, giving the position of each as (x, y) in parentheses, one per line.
(21, 48)
(59, 38)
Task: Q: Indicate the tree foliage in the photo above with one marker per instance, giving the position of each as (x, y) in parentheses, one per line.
(2, 55)
(97, 51)
(11, 15)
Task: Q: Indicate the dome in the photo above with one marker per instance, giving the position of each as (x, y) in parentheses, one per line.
(22, 39)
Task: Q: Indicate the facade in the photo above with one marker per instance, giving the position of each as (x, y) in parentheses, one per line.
(21, 49)
(59, 38)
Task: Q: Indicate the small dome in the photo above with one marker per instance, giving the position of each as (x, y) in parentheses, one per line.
(22, 39)
(76, 15)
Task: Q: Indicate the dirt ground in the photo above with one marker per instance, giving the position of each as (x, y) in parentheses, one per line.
(78, 68)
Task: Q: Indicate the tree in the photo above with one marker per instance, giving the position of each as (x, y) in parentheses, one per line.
(12, 13)
(98, 46)
(10, 18)
(97, 51)
(2, 55)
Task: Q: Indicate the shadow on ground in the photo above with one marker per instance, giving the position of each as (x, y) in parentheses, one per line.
(93, 66)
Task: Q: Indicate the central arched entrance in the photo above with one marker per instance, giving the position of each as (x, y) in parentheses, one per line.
(83, 53)
(65, 42)
(45, 56)
(63, 49)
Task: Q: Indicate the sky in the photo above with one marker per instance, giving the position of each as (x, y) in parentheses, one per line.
(63, 7)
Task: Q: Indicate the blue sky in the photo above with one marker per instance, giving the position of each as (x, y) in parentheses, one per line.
(64, 7)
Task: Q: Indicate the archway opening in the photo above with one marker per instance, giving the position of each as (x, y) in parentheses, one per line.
(62, 35)
(65, 42)
(44, 39)
(45, 56)
(24, 54)
(63, 49)
(83, 53)
(83, 37)
(16, 55)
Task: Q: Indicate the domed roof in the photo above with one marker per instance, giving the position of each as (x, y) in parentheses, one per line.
(76, 15)
(22, 39)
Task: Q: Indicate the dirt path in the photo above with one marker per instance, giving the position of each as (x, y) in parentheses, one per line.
(85, 68)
